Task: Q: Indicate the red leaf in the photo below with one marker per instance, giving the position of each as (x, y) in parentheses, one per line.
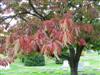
(50, 24)
(26, 44)
(1, 49)
(50, 48)
(66, 24)
(86, 27)
(82, 42)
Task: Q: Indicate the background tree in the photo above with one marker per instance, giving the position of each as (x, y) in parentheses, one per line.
(46, 9)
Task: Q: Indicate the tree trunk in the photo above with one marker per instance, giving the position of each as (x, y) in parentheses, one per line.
(74, 59)
(74, 70)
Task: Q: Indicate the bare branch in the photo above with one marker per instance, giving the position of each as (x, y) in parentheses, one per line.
(36, 12)
(8, 24)
(16, 15)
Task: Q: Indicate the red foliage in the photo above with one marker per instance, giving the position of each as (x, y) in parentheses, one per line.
(26, 43)
(1, 49)
(65, 31)
(57, 34)
(82, 42)
(70, 37)
(50, 24)
(66, 24)
(9, 40)
(88, 28)
(33, 45)
(40, 38)
(3, 62)
(21, 40)
(50, 48)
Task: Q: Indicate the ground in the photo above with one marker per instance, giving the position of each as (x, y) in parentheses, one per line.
(91, 60)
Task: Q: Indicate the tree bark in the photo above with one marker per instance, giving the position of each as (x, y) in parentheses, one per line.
(74, 70)
(73, 67)
(74, 59)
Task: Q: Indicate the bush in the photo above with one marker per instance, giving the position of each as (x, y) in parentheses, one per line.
(34, 59)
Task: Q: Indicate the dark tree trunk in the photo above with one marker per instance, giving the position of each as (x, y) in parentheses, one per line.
(74, 58)
(74, 70)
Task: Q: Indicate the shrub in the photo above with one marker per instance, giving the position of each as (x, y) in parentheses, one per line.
(34, 59)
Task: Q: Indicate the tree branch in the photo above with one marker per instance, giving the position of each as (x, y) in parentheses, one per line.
(8, 24)
(78, 52)
(36, 12)
(16, 15)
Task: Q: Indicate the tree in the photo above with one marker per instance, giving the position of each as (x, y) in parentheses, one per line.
(57, 29)
(55, 34)
(65, 33)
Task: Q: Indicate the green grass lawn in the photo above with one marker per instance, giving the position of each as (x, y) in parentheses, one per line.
(51, 68)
